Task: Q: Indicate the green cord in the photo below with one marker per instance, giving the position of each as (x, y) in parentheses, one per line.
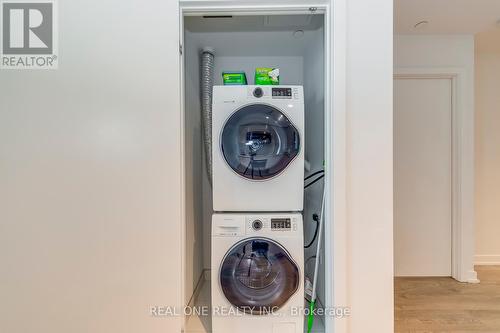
(310, 318)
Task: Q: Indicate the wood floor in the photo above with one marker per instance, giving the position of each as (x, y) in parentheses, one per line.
(424, 305)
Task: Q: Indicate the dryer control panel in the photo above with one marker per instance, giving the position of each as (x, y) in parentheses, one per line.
(281, 93)
(245, 94)
(276, 92)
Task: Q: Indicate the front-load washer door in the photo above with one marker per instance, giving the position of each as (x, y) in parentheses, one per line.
(258, 276)
(258, 141)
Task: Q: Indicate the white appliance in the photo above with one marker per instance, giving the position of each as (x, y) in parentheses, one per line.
(258, 148)
(257, 273)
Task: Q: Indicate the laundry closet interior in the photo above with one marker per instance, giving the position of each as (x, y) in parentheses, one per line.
(296, 42)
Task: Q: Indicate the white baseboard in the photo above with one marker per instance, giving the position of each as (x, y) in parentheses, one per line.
(472, 277)
(487, 259)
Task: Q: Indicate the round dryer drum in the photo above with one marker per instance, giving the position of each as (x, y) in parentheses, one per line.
(258, 276)
(258, 141)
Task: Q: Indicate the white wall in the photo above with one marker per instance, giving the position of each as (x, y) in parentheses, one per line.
(435, 51)
(314, 78)
(422, 177)
(90, 176)
(197, 221)
(487, 148)
(369, 165)
(451, 52)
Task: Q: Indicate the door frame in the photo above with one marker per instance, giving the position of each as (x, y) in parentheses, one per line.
(336, 269)
(462, 168)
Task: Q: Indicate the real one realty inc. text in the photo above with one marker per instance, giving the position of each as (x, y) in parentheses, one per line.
(230, 311)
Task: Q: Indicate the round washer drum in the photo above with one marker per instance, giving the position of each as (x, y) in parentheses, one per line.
(258, 276)
(258, 141)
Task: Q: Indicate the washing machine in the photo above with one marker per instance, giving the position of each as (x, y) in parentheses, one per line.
(258, 148)
(257, 273)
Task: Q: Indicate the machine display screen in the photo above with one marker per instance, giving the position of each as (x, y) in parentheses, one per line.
(282, 92)
(281, 224)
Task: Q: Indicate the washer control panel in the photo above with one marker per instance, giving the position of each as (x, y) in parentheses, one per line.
(267, 224)
(281, 224)
(257, 224)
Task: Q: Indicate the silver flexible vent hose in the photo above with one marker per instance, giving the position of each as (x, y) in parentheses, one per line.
(207, 83)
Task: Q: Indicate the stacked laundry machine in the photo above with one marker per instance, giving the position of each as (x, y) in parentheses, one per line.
(257, 255)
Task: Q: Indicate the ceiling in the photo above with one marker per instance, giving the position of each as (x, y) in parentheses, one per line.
(254, 23)
(445, 16)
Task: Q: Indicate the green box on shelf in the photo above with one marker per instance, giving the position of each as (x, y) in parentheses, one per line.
(267, 76)
(234, 78)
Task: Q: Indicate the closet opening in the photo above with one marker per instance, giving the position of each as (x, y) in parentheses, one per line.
(239, 43)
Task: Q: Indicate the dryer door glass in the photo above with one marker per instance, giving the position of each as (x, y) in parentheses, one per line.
(258, 141)
(258, 276)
